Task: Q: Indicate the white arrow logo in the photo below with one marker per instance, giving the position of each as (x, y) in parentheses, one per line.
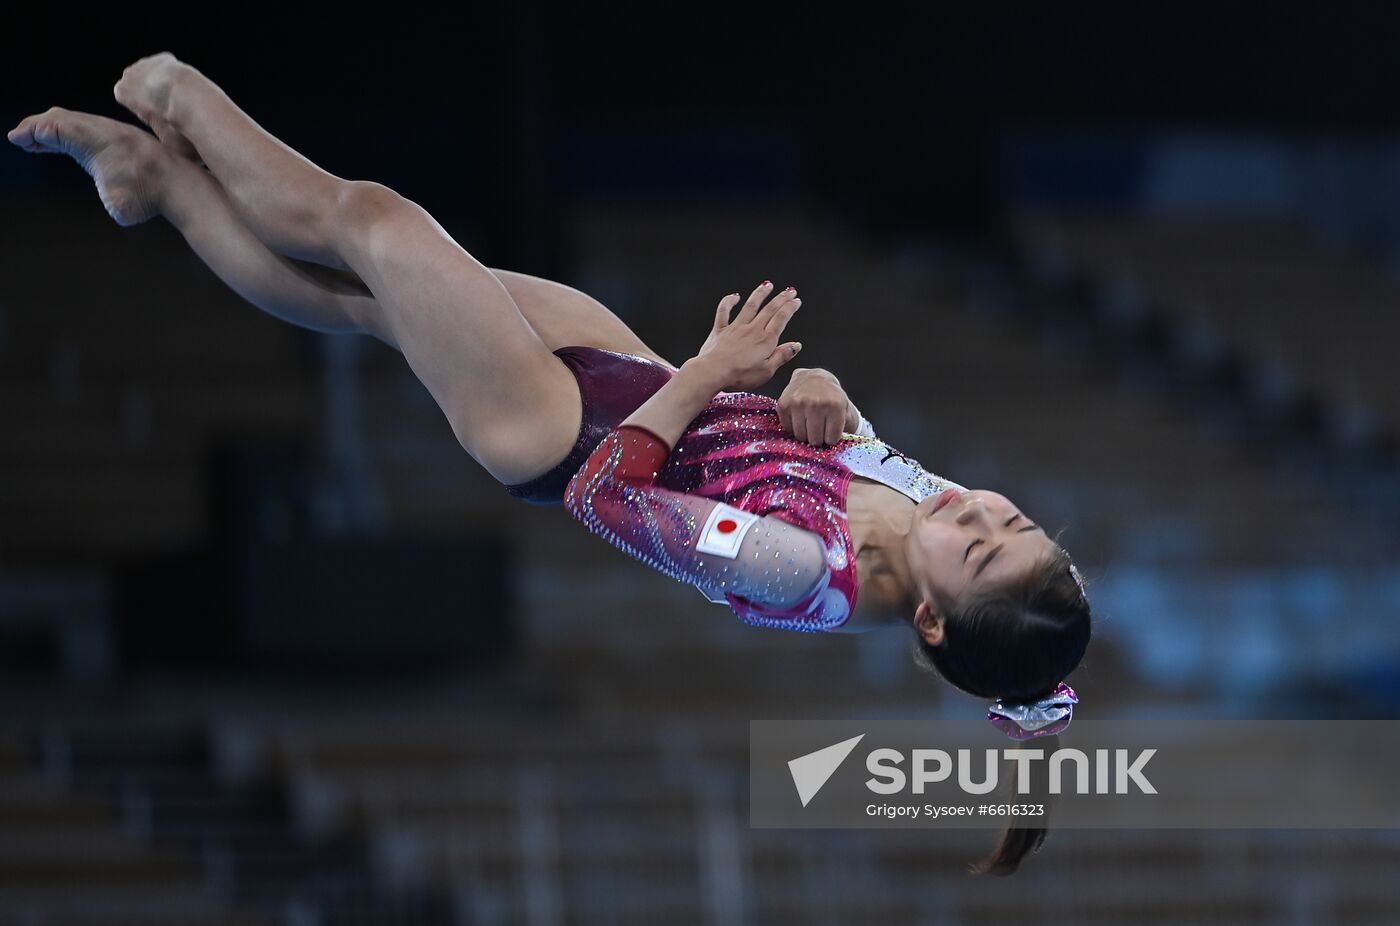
(811, 771)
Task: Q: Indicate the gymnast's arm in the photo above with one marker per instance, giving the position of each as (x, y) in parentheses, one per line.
(693, 539)
(668, 410)
(688, 537)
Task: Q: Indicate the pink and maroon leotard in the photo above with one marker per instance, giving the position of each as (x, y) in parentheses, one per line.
(751, 516)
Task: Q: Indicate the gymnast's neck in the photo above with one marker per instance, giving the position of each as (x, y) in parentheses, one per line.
(879, 518)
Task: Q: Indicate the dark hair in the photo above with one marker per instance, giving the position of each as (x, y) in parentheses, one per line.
(1016, 641)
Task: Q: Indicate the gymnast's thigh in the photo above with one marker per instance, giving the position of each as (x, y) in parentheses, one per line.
(564, 316)
(513, 405)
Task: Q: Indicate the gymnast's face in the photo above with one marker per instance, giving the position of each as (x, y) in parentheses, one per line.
(976, 540)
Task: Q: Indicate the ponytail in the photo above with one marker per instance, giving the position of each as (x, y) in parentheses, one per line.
(1019, 840)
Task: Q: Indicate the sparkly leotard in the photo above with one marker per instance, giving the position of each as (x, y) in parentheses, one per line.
(753, 517)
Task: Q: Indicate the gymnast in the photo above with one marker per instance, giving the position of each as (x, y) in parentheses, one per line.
(791, 511)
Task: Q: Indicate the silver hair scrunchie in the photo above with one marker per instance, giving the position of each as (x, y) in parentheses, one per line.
(1049, 715)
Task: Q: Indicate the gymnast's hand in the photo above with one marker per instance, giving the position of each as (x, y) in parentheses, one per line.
(815, 408)
(744, 352)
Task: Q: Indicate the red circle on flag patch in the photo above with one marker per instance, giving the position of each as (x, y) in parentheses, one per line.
(727, 525)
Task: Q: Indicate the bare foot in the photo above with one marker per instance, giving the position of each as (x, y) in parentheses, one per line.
(123, 160)
(145, 88)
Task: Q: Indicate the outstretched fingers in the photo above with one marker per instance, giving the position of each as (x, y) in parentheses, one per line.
(751, 305)
(774, 317)
(771, 318)
(778, 312)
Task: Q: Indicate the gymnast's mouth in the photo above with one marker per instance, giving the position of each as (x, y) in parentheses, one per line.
(944, 498)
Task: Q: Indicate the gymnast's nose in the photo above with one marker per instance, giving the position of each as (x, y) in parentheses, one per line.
(973, 510)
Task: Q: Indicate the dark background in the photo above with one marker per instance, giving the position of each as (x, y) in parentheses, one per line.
(274, 649)
(896, 116)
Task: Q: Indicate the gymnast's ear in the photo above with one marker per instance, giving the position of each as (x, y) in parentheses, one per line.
(928, 624)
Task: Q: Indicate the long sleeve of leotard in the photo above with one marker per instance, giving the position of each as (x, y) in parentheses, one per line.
(717, 547)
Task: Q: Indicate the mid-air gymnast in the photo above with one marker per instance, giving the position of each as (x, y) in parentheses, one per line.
(791, 511)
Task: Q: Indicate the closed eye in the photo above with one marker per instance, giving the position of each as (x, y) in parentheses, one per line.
(1009, 521)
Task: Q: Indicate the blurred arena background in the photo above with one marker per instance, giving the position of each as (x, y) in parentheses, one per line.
(276, 651)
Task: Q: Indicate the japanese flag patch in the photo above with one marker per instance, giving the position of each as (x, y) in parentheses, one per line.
(724, 531)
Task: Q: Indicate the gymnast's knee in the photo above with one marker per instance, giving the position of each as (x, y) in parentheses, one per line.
(363, 210)
(359, 206)
(365, 200)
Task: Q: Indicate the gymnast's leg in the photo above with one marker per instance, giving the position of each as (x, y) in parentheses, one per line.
(281, 196)
(139, 178)
(513, 405)
(443, 310)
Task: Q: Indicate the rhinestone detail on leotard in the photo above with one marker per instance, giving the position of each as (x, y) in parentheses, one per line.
(735, 452)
